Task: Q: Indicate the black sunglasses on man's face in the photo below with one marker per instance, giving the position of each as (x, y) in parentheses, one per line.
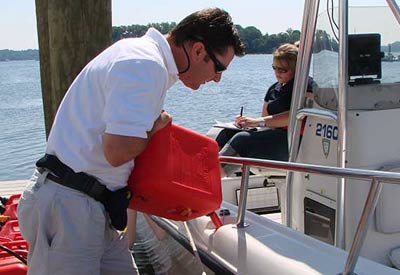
(218, 66)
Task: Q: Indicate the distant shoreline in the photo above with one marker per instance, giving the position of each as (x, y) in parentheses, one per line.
(30, 58)
(11, 55)
(11, 60)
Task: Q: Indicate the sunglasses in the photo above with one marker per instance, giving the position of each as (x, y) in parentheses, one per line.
(280, 70)
(218, 66)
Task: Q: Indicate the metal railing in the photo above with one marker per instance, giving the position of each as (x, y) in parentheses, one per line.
(376, 177)
(300, 84)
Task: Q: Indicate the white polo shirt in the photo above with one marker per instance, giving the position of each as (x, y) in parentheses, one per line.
(122, 92)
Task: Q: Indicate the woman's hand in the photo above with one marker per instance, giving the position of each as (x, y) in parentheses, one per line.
(245, 122)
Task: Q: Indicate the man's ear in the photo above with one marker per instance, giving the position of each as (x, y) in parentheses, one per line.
(198, 50)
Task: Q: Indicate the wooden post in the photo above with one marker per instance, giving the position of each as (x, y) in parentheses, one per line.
(70, 34)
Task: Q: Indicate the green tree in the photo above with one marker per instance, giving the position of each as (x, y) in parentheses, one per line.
(323, 41)
(252, 37)
(249, 36)
(294, 35)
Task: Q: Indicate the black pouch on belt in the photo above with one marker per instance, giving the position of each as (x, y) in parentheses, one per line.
(116, 206)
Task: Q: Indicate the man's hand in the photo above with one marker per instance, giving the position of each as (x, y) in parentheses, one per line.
(160, 123)
(120, 149)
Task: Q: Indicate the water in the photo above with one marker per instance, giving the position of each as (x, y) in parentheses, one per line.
(22, 139)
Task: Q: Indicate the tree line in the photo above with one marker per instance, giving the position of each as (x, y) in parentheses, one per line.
(255, 41)
(6, 55)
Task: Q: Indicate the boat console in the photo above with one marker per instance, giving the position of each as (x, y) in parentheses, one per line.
(361, 131)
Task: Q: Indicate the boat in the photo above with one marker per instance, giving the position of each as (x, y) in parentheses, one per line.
(390, 57)
(336, 198)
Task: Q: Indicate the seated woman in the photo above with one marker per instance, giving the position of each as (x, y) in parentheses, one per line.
(271, 142)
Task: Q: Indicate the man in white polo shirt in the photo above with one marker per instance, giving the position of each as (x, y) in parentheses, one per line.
(72, 212)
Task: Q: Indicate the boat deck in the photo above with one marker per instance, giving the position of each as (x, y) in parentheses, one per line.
(276, 217)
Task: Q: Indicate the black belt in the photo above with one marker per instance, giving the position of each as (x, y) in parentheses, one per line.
(64, 175)
(115, 203)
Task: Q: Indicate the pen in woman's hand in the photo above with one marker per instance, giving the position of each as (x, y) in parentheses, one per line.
(241, 111)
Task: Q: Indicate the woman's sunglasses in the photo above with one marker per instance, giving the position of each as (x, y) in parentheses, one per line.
(280, 70)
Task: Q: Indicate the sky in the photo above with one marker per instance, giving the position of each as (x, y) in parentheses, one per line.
(18, 17)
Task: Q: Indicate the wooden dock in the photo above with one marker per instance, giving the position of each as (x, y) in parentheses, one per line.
(8, 188)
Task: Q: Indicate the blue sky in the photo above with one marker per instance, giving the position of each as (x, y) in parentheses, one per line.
(18, 17)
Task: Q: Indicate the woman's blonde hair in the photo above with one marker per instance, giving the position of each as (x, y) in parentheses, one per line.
(286, 56)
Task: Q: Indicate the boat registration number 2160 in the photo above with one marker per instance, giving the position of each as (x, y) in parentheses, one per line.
(327, 131)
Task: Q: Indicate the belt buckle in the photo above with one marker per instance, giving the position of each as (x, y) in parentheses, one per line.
(40, 170)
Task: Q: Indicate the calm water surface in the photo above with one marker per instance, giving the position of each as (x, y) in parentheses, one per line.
(22, 139)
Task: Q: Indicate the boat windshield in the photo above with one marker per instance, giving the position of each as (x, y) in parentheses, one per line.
(378, 21)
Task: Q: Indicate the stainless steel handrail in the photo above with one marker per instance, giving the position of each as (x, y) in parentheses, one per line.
(370, 205)
(390, 177)
(243, 196)
(342, 120)
(377, 177)
(395, 9)
(300, 85)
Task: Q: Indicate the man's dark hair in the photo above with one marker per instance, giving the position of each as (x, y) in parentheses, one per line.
(212, 26)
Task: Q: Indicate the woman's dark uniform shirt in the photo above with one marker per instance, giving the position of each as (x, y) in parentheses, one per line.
(279, 96)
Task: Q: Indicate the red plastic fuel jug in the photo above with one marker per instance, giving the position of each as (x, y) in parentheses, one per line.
(177, 176)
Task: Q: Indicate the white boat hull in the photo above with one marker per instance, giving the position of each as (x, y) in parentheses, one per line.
(267, 247)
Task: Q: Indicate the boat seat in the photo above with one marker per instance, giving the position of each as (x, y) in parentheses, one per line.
(361, 97)
(260, 171)
(268, 172)
(388, 204)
